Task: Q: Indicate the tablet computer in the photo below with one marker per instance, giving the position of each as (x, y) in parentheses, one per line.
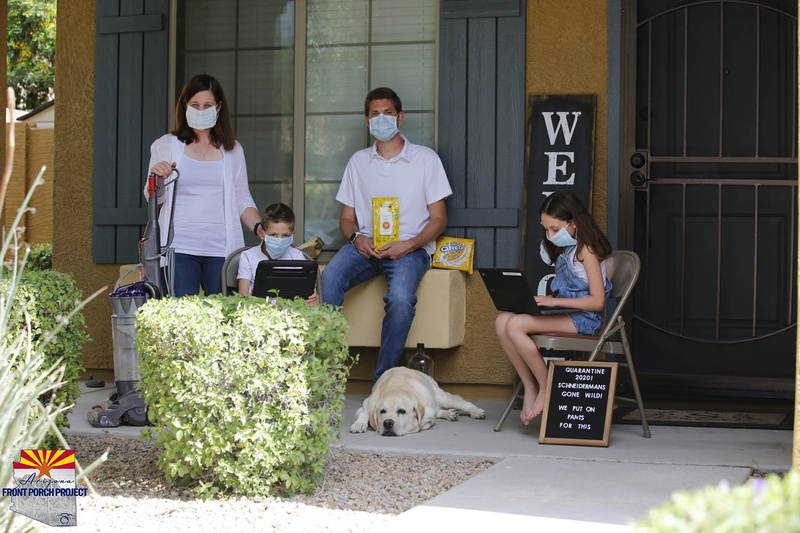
(510, 292)
(285, 279)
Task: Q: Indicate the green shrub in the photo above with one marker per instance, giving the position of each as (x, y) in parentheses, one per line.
(46, 298)
(29, 376)
(40, 257)
(764, 505)
(247, 395)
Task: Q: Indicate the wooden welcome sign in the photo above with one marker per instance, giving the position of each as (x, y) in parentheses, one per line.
(579, 403)
(560, 157)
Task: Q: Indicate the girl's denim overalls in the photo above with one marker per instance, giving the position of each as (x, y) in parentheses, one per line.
(569, 285)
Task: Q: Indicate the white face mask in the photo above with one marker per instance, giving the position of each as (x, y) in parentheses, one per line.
(383, 127)
(562, 238)
(201, 119)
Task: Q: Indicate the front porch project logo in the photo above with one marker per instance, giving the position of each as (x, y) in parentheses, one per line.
(44, 487)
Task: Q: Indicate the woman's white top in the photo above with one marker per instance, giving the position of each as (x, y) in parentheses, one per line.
(199, 216)
(236, 195)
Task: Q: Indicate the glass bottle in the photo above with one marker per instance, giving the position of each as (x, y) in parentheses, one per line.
(421, 361)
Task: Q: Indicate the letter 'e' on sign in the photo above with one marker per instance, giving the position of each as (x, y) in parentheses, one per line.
(579, 402)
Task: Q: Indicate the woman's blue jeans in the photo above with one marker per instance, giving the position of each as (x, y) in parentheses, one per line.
(195, 271)
(347, 269)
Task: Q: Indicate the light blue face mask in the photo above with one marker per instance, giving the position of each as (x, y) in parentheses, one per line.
(383, 127)
(277, 246)
(562, 238)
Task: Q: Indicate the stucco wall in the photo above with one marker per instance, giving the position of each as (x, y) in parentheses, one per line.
(562, 40)
(33, 149)
(72, 192)
(566, 54)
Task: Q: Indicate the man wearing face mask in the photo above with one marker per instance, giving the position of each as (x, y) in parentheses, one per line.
(394, 168)
(212, 198)
(277, 233)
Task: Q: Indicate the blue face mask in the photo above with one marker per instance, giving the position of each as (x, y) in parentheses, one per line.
(562, 238)
(277, 246)
(383, 127)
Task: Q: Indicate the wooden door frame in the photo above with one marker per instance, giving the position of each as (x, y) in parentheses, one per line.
(627, 125)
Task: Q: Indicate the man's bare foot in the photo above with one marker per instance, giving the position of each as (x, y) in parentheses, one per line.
(528, 405)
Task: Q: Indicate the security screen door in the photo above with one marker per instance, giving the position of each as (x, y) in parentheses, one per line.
(709, 192)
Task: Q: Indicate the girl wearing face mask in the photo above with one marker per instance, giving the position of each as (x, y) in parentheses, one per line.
(277, 232)
(212, 200)
(578, 247)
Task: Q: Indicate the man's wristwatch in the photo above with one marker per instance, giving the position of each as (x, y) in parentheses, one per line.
(353, 237)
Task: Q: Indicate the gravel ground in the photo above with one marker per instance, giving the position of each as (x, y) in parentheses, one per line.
(361, 492)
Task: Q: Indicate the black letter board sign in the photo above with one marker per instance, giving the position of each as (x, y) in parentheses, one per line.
(560, 157)
(579, 402)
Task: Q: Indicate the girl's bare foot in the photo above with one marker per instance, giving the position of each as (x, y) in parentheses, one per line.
(528, 406)
(538, 405)
(535, 409)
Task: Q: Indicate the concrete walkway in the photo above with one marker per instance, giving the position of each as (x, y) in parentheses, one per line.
(549, 487)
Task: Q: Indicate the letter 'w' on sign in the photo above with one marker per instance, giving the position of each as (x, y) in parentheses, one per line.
(563, 125)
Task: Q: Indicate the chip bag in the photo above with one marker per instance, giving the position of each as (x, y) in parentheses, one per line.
(385, 220)
(454, 253)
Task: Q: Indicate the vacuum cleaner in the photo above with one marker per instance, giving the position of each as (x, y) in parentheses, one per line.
(126, 404)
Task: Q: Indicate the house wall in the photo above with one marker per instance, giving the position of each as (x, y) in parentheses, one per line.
(33, 149)
(566, 54)
(72, 193)
(562, 41)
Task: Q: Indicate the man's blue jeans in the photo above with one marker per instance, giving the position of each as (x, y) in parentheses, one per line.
(347, 269)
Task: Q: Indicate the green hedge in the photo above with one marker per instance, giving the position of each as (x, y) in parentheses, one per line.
(762, 505)
(47, 297)
(246, 395)
(40, 257)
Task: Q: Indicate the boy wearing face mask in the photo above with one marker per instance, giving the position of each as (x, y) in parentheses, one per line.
(276, 232)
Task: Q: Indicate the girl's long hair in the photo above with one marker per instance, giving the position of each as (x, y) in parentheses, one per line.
(221, 135)
(565, 206)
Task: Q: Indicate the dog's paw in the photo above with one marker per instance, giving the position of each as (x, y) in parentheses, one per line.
(451, 415)
(477, 412)
(358, 427)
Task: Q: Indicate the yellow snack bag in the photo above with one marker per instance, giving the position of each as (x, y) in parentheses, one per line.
(453, 253)
(385, 220)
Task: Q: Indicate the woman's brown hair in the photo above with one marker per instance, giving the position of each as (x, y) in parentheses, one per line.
(565, 206)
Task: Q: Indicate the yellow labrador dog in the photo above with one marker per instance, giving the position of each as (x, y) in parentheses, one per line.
(407, 401)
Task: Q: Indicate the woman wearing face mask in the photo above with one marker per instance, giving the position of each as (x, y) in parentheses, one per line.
(578, 247)
(212, 196)
(277, 233)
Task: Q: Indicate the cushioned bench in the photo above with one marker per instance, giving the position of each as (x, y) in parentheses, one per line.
(440, 321)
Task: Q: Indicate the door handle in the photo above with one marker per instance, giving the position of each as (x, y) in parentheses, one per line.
(638, 178)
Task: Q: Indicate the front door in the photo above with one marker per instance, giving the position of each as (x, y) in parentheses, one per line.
(709, 192)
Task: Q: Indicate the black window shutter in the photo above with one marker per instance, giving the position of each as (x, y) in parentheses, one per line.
(131, 109)
(482, 124)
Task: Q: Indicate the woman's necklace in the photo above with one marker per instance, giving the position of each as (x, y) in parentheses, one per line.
(204, 155)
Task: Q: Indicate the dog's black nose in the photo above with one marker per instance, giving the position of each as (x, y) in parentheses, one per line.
(388, 423)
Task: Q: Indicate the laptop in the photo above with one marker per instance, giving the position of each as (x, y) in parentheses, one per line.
(285, 279)
(510, 292)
